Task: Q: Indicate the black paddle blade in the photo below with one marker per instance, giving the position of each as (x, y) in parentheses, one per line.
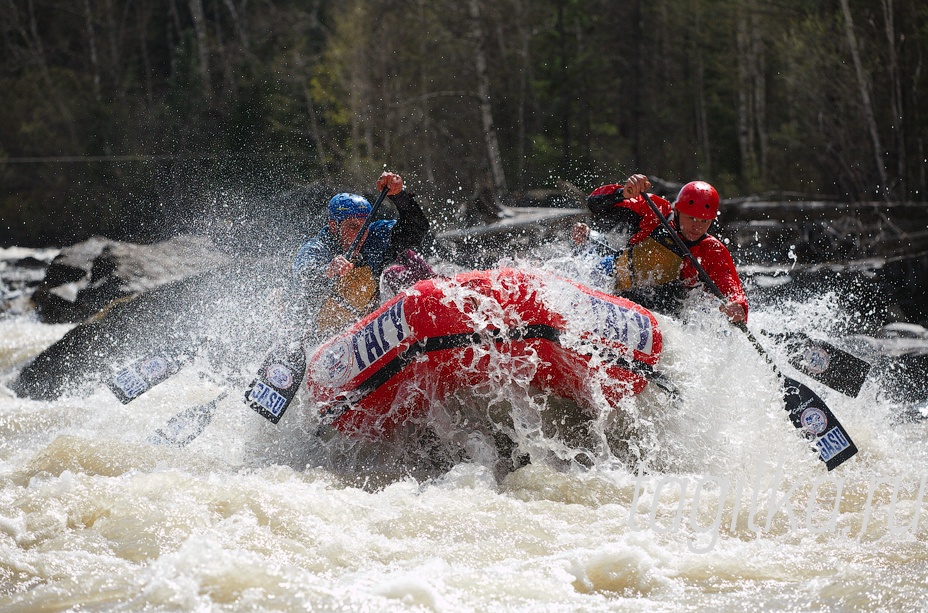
(827, 364)
(145, 373)
(278, 381)
(816, 421)
(186, 425)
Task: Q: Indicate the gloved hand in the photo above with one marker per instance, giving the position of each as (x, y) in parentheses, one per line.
(338, 266)
(392, 181)
(579, 234)
(635, 185)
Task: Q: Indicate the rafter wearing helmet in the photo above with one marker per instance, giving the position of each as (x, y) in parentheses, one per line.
(650, 269)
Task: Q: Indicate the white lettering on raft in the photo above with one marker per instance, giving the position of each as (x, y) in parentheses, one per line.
(626, 326)
(348, 357)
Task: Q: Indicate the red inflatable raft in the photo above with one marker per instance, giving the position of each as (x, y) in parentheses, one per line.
(442, 335)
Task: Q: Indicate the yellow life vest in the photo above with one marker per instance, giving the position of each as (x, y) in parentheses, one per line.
(352, 297)
(646, 264)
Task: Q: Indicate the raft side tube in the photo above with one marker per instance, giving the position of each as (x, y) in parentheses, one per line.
(442, 335)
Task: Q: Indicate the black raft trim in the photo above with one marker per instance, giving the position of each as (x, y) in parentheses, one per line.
(452, 341)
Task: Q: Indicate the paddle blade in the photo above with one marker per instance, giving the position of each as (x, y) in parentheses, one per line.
(811, 415)
(278, 381)
(186, 425)
(145, 373)
(827, 364)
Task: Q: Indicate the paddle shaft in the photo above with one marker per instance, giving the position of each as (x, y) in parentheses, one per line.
(356, 243)
(704, 276)
(353, 250)
(270, 394)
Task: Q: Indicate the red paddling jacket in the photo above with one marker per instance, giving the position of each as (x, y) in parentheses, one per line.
(652, 257)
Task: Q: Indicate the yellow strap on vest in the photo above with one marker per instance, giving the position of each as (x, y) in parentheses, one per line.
(352, 297)
(646, 264)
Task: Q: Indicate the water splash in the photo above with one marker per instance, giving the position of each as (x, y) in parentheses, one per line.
(710, 502)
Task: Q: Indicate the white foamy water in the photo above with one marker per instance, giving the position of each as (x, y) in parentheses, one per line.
(711, 502)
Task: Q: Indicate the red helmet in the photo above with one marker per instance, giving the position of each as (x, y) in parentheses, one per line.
(698, 199)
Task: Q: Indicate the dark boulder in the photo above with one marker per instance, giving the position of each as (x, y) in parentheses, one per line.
(216, 292)
(19, 277)
(87, 276)
(227, 314)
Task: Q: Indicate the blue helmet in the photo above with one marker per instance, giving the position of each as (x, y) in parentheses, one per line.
(343, 206)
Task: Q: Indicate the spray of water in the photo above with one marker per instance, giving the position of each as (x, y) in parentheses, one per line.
(503, 496)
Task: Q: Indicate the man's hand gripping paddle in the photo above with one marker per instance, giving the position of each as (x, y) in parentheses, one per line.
(820, 360)
(806, 410)
(272, 391)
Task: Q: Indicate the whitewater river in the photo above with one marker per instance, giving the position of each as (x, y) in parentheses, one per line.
(712, 502)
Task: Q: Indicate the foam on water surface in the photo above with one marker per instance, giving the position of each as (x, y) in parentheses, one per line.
(711, 501)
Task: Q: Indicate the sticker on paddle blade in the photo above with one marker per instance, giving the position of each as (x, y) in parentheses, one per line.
(140, 376)
(817, 423)
(277, 383)
(827, 364)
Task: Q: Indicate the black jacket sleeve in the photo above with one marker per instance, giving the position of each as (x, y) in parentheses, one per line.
(412, 226)
(606, 216)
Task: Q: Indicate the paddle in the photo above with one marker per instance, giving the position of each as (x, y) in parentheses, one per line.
(806, 410)
(186, 425)
(824, 362)
(277, 382)
(133, 380)
(820, 360)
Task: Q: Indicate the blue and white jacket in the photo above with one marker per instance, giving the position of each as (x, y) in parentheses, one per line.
(385, 240)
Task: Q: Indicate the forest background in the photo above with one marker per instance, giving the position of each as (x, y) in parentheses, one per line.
(121, 116)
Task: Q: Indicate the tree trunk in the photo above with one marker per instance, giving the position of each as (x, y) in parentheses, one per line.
(760, 91)
(637, 66)
(428, 166)
(229, 82)
(115, 54)
(486, 110)
(239, 20)
(582, 91)
(92, 44)
(752, 92)
(357, 99)
(704, 162)
(863, 88)
(564, 88)
(895, 101)
(525, 56)
(143, 52)
(745, 95)
(315, 133)
(199, 28)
